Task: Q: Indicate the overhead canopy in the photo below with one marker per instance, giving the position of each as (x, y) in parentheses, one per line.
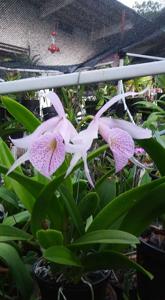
(88, 32)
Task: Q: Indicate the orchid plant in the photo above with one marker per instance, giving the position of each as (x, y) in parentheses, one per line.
(73, 232)
(47, 145)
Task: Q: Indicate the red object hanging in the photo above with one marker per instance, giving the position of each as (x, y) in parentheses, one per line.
(53, 47)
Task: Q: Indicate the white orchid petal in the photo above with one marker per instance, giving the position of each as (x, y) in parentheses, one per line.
(73, 162)
(55, 100)
(135, 131)
(87, 170)
(18, 162)
(23, 142)
(116, 99)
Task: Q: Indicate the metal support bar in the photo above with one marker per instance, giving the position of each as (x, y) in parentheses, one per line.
(83, 77)
(145, 56)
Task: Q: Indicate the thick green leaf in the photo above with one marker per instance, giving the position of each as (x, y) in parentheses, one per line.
(145, 210)
(72, 209)
(88, 205)
(156, 152)
(111, 260)
(106, 191)
(18, 218)
(48, 238)
(106, 237)
(9, 233)
(44, 199)
(21, 113)
(6, 158)
(8, 196)
(33, 186)
(20, 275)
(119, 206)
(62, 255)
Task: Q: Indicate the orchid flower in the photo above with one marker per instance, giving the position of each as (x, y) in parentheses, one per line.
(45, 147)
(118, 134)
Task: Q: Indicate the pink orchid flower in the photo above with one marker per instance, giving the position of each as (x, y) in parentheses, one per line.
(46, 145)
(118, 134)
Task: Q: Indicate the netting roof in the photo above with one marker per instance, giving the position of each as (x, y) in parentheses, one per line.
(88, 32)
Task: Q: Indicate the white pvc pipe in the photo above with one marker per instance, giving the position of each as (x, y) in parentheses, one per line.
(31, 70)
(145, 56)
(83, 77)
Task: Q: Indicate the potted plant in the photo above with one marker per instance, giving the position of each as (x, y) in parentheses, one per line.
(73, 232)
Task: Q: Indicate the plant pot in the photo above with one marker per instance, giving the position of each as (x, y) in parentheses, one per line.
(49, 289)
(153, 259)
(48, 112)
(33, 106)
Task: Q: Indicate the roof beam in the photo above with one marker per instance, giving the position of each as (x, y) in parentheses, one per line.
(109, 30)
(48, 8)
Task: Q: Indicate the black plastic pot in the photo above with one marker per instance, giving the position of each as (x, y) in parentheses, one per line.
(49, 289)
(48, 112)
(153, 259)
(33, 106)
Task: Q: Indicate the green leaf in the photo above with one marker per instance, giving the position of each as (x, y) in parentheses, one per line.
(121, 205)
(9, 233)
(145, 210)
(20, 275)
(106, 237)
(43, 200)
(72, 209)
(6, 158)
(20, 113)
(88, 205)
(106, 191)
(8, 196)
(111, 260)
(62, 255)
(156, 152)
(18, 218)
(48, 238)
(30, 184)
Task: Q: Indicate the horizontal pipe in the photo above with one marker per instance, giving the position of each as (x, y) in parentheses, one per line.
(83, 77)
(145, 56)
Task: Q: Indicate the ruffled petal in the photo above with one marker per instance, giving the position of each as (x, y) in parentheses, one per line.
(47, 153)
(18, 162)
(135, 131)
(55, 100)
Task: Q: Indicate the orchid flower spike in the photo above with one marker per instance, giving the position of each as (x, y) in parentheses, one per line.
(118, 134)
(45, 147)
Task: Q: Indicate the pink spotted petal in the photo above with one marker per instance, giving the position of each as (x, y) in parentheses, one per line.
(47, 153)
(135, 131)
(122, 147)
(55, 100)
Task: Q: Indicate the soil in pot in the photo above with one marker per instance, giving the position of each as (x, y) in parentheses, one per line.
(51, 287)
(151, 255)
